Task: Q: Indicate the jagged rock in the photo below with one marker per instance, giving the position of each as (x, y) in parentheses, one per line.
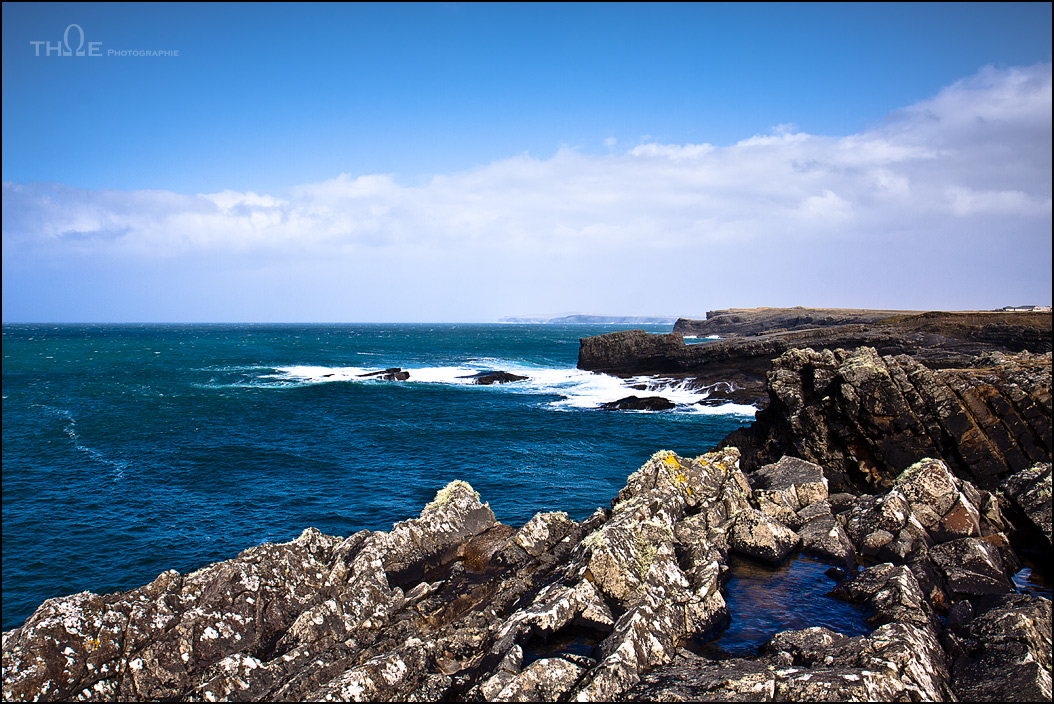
(1029, 491)
(543, 531)
(972, 566)
(927, 506)
(794, 492)
(864, 417)
(897, 662)
(803, 483)
(825, 538)
(892, 592)
(1005, 651)
(453, 605)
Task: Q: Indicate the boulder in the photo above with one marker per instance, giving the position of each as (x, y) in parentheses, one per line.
(757, 535)
(973, 567)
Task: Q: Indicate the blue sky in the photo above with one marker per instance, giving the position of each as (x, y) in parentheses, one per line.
(463, 162)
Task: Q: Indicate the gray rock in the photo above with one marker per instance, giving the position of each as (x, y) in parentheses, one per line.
(1008, 651)
(1029, 491)
(757, 535)
(972, 566)
(803, 481)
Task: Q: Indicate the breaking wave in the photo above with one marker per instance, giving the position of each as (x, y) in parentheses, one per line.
(574, 389)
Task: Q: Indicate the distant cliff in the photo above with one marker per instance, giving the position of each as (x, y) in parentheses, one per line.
(754, 321)
(743, 322)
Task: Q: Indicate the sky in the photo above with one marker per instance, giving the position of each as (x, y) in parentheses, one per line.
(461, 163)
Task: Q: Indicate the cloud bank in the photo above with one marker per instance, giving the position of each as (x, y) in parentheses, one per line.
(945, 204)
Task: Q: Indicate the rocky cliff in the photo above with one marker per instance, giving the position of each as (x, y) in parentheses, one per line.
(754, 321)
(937, 340)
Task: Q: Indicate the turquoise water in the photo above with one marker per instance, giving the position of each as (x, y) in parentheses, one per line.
(129, 450)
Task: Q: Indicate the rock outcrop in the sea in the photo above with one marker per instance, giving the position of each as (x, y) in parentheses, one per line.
(639, 403)
(494, 377)
(864, 416)
(392, 374)
(453, 605)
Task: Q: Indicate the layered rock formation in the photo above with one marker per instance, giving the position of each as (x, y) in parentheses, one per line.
(937, 340)
(454, 605)
(863, 416)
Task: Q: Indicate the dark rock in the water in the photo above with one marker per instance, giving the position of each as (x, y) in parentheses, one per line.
(393, 374)
(487, 378)
(639, 403)
(631, 352)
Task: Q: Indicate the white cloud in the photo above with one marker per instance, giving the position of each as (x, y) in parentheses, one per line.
(939, 175)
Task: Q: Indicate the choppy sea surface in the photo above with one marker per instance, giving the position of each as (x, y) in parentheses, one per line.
(132, 449)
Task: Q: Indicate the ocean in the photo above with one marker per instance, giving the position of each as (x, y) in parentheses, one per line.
(132, 449)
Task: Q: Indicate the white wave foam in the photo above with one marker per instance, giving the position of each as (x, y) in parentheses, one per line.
(70, 429)
(575, 389)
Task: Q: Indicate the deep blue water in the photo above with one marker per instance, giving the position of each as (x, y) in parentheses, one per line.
(129, 450)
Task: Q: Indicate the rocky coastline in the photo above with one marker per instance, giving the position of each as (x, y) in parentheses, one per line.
(924, 481)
